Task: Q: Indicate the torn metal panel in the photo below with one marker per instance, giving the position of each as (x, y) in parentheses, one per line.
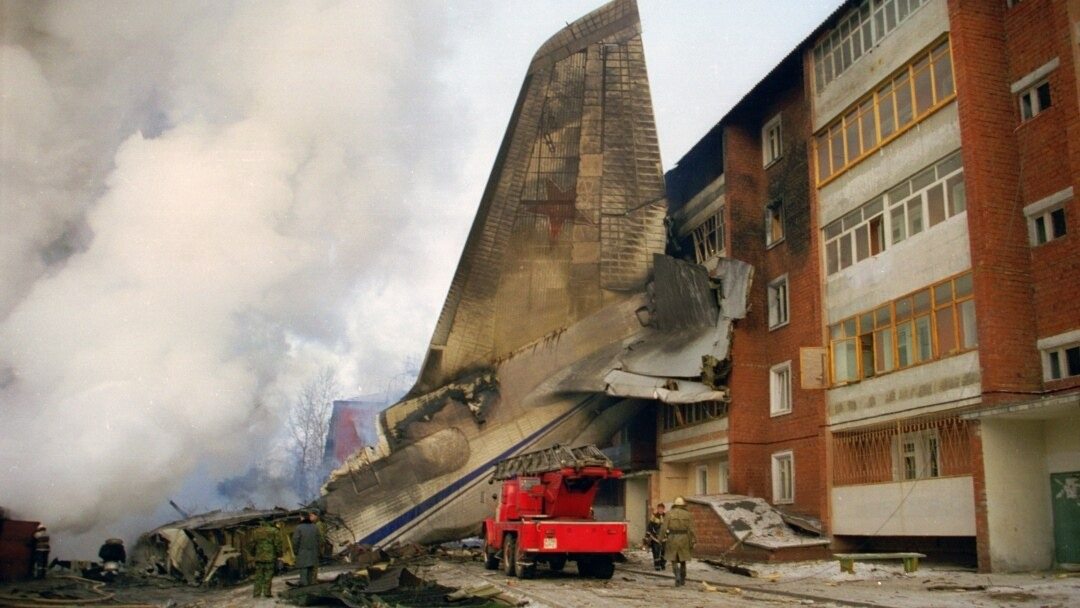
(682, 295)
(623, 384)
(735, 278)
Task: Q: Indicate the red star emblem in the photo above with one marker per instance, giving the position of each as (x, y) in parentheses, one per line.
(558, 207)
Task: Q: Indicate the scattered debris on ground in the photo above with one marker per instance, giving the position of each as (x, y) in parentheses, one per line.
(395, 586)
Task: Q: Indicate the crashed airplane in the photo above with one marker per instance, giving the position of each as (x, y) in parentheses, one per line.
(564, 318)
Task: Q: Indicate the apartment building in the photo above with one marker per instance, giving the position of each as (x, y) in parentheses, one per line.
(916, 284)
(744, 192)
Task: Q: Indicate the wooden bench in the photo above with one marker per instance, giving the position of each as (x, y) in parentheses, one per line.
(847, 560)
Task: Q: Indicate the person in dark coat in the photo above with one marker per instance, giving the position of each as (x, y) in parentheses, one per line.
(306, 542)
(652, 536)
(678, 534)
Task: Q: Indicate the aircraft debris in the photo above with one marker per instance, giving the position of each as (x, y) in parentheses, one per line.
(564, 319)
(209, 547)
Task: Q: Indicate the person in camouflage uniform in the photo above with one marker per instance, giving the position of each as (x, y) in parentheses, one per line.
(678, 534)
(266, 549)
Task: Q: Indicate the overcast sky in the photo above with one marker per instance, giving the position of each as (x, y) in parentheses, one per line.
(204, 203)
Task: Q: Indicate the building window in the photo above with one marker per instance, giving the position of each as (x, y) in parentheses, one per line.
(860, 30)
(772, 146)
(904, 99)
(688, 414)
(933, 448)
(780, 389)
(1063, 362)
(722, 486)
(774, 222)
(932, 323)
(783, 477)
(701, 478)
(778, 302)
(923, 201)
(709, 238)
(1046, 218)
(1034, 100)
(1061, 355)
(917, 455)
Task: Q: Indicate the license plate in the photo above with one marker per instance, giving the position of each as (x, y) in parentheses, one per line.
(551, 543)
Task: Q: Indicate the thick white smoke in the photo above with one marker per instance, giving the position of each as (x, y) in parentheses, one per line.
(202, 205)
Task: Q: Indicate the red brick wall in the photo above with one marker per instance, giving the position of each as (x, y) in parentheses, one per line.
(1049, 150)
(1004, 294)
(754, 434)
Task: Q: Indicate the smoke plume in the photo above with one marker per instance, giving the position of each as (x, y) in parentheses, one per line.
(202, 205)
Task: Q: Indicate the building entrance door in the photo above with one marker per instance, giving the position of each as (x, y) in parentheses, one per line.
(1065, 497)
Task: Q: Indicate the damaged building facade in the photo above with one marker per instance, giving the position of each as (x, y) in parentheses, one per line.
(909, 372)
(864, 335)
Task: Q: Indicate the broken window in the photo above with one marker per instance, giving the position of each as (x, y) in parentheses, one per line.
(676, 416)
(774, 222)
(709, 237)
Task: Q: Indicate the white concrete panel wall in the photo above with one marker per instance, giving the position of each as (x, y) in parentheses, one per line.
(895, 50)
(1017, 495)
(927, 507)
(936, 386)
(1063, 444)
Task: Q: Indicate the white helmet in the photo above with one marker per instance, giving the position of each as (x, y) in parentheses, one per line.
(679, 502)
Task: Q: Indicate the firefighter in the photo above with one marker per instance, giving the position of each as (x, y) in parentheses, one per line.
(652, 536)
(266, 549)
(306, 542)
(41, 551)
(677, 533)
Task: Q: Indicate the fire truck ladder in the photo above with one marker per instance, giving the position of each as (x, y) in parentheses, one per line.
(550, 459)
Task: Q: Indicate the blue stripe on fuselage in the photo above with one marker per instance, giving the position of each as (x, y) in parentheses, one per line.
(415, 512)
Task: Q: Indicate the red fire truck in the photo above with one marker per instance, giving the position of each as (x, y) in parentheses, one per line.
(545, 514)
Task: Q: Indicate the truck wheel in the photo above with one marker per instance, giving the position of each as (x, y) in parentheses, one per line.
(509, 555)
(584, 566)
(557, 563)
(524, 571)
(602, 567)
(491, 557)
